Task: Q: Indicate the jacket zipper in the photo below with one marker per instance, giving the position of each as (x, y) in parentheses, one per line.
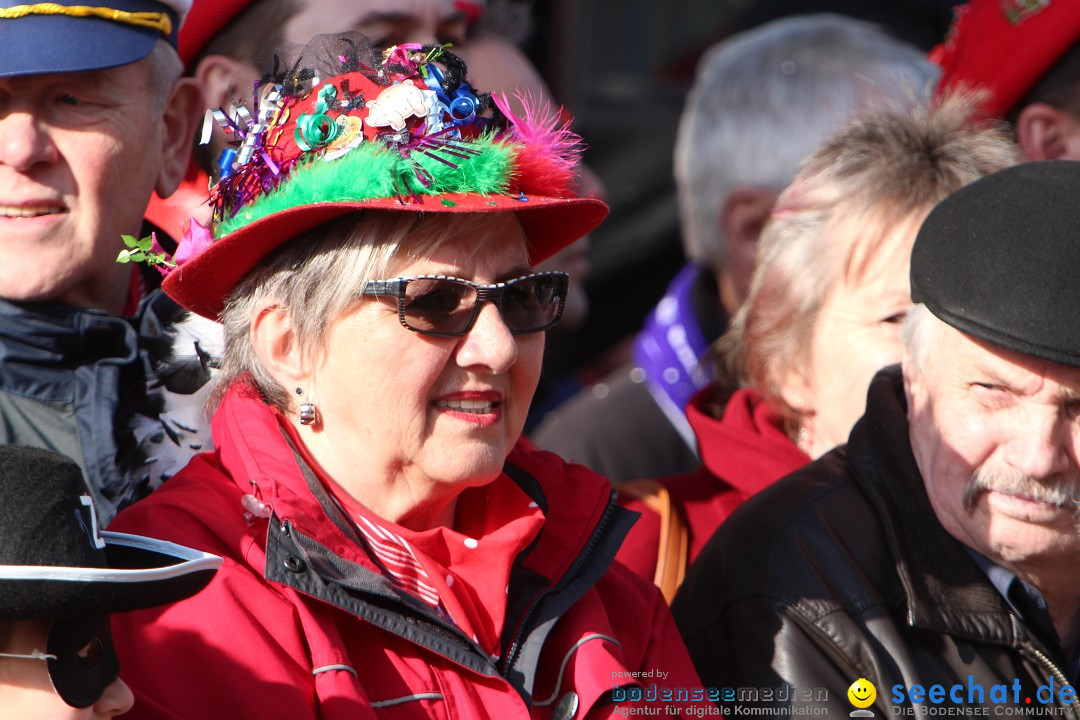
(1048, 664)
(427, 623)
(583, 556)
(333, 511)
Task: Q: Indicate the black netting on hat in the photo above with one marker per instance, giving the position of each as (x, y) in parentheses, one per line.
(332, 54)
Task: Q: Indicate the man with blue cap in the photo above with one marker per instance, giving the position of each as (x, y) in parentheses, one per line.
(93, 118)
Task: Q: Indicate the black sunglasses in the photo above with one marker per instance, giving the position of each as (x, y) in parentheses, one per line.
(448, 306)
(81, 659)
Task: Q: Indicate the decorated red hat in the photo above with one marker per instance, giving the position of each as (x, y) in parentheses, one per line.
(205, 20)
(1005, 47)
(356, 130)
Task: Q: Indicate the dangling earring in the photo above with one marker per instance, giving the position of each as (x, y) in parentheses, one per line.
(803, 441)
(307, 410)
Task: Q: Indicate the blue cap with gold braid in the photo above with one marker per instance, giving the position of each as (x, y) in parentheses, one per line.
(74, 36)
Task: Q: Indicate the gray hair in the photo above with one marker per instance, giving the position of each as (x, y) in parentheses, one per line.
(316, 277)
(164, 70)
(920, 332)
(240, 40)
(765, 98)
(883, 169)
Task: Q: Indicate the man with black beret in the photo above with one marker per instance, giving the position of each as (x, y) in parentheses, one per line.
(934, 559)
(94, 117)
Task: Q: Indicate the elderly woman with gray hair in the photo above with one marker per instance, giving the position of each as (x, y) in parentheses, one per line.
(390, 548)
(825, 306)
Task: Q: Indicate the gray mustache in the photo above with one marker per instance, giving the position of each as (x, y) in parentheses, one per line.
(1058, 490)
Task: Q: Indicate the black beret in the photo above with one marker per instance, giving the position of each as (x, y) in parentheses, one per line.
(999, 259)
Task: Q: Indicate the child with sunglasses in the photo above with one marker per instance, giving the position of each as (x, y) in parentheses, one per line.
(60, 578)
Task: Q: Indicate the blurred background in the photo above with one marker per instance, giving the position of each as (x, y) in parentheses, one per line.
(623, 68)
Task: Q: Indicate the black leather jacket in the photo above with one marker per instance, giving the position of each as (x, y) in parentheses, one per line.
(841, 571)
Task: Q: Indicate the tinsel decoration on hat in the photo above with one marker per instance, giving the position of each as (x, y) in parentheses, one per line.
(408, 123)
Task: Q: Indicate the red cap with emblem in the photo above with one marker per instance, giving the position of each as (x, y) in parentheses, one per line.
(1005, 47)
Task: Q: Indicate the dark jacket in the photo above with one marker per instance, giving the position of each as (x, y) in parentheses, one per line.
(841, 571)
(630, 425)
(616, 428)
(103, 390)
(301, 622)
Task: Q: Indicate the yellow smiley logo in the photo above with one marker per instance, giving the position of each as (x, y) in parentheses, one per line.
(862, 693)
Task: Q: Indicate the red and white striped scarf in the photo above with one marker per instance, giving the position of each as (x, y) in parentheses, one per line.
(397, 559)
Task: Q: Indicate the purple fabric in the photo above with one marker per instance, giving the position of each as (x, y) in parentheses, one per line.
(669, 351)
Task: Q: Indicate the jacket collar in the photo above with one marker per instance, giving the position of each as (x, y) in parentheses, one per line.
(113, 382)
(41, 345)
(945, 591)
(747, 448)
(574, 548)
(256, 456)
(252, 449)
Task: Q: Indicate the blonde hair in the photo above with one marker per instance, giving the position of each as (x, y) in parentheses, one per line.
(883, 169)
(316, 276)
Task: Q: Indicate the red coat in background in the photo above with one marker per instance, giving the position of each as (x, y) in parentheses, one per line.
(190, 201)
(743, 452)
(301, 623)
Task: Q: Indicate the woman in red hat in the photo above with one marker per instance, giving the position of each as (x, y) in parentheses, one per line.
(390, 548)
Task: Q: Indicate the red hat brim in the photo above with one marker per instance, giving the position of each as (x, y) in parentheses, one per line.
(202, 283)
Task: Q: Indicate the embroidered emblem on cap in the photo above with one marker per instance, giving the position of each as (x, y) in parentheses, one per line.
(1017, 11)
(155, 20)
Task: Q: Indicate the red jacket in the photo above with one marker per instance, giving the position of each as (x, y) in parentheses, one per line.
(743, 452)
(299, 622)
